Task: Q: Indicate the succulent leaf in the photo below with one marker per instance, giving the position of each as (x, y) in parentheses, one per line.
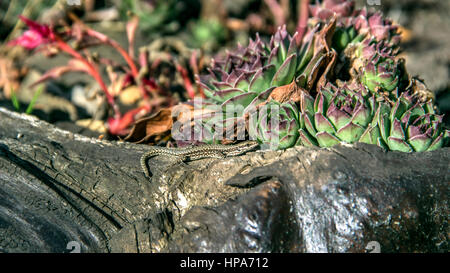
(286, 71)
(277, 125)
(326, 140)
(398, 144)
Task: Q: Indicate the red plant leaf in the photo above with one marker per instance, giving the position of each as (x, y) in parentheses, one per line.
(186, 80)
(42, 29)
(119, 125)
(56, 72)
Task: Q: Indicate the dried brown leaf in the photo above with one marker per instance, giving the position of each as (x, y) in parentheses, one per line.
(324, 78)
(289, 92)
(419, 89)
(154, 127)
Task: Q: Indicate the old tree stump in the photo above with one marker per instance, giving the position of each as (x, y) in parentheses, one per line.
(59, 188)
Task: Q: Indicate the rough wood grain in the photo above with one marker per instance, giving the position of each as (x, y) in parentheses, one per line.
(57, 187)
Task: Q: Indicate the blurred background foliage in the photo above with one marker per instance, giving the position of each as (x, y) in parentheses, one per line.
(208, 24)
(213, 26)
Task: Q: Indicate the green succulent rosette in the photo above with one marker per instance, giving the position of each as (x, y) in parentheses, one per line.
(338, 115)
(381, 74)
(275, 124)
(248, 74)
(246, 77)
(412, 126)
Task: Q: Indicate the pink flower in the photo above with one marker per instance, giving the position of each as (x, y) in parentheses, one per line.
(30, 40)
(36, 35)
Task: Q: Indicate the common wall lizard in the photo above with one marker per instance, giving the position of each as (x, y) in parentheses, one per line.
(198, 152)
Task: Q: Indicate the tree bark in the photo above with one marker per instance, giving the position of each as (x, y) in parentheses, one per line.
(57, 187)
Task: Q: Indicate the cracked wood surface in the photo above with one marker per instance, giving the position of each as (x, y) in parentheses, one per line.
(57, 187)
(101, 181)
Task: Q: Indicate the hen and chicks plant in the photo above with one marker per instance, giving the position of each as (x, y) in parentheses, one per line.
(349, 86)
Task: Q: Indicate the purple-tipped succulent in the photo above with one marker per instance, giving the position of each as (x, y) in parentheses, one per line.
(344, 115)
(336, 115)
(275, 124)
(375, 26)
(354, 26)
(381, 74)
(412, 126)
(248, 74)
(328, 8)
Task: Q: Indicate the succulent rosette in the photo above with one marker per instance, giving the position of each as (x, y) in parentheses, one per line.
(345, 32)
(248, 74)
(275, 124)
(412, 126)
(381, 73)
(368, 50)
(343, 115)
(343, 36)
(374, 64)
(237, 84)
(336, 115)
(353, 26)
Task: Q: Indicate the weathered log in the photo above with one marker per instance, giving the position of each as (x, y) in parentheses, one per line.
(57, 187)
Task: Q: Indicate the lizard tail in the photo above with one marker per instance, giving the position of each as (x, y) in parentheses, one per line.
(144, 165)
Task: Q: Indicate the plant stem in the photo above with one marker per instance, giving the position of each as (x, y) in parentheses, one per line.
(115, 45)
(34, 99)
(92, 70)
(14, 100)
